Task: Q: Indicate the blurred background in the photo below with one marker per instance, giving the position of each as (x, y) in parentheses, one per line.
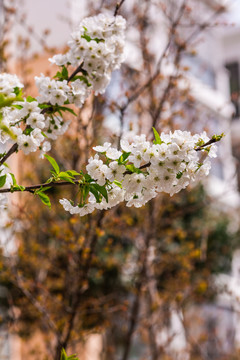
(160, 282)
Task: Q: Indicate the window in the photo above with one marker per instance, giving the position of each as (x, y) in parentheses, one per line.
(4, 346)
(200, 69)
(234, 86)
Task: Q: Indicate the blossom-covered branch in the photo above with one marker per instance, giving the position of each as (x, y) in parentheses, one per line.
(136, 173)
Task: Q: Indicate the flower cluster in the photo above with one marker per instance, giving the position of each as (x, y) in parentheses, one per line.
(6, 181)
(96, 48)
(8, 84)
(142, 169)
(23, 112)
(98, 44)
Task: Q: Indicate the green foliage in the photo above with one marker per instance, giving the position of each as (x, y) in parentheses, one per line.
(123, 158)
(15, 186)
(133, 169)
(63, 75)
(65, 357)
(43, 197)
(218, 137)
(88, 38)
(158, 139)
(83, 79)
(30, 99)
(53, 163)
(7, 101)
(2, 180)
(100, 190)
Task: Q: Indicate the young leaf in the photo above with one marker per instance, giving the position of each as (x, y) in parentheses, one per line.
(65, 73)
(85, 192)
(63, 108)
(63, 355)
(17, 188)
(44, 198)
(87, 178)
(133, 169)
(42, 189)
(63, 175)
(118, 183)
(86, 37)
(96, 194)
(13, 179)
(66, 174)
(2, 180)
(30, 99)
(82, 78)
(123, 157)
(179, 175)
(158, 140)
(102, 190)
(73, 173)
(53, 163)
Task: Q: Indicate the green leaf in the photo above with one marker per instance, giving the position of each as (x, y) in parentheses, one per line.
(65, 173)
(44, 198)
(179, 175)
(2, 180)
(218, 137)
(86, 37)
(19, 107)
(63, 108)
(117, 183)
(63, 355)
(96, 194)
(65, 72)
(43, 106)
(87, 178)
(17, 91)
(42, 189)
(73, 173)
(98, 40)
(102, 190)
(82, 78)
(133, 169)
(28, 130)
(13, 179)
(85, 192)
(65, 176)
(158, 140)
(17, 188)
(30, 99)
(123, 158)
(53, 163)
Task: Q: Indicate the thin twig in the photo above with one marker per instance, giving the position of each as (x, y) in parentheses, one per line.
(11, 151)
(118, 7)
(32, 188)
(211, 141)
(76, 71)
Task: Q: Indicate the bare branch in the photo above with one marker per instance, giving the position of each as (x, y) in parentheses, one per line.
(118, 7)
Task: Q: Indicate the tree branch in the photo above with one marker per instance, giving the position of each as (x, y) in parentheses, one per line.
(32, 188)
(11, 151)
(211, 141)
(119, 4)
(76, 71)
